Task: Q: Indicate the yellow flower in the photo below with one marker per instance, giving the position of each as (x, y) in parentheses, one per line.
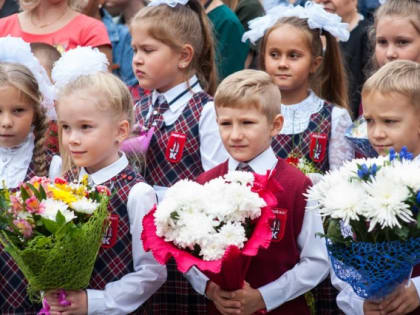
(63, 195)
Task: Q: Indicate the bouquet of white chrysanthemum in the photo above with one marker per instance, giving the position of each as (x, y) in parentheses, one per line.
(371, 208)
(205, 225)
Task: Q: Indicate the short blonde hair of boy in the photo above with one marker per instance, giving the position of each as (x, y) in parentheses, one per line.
(398, 76)
(250, 88)
(110, 95)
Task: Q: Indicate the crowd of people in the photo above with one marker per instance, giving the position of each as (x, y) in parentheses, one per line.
(213, 87)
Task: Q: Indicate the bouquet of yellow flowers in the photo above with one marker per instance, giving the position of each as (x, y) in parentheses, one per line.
(53, 231)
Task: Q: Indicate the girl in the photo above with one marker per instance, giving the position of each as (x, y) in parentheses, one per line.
(395, 35)
(174, 57)
(24, 95)
(94, 116)
(313, 88)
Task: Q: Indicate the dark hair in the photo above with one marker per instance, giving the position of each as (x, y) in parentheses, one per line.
(179, 25)
(330, 81)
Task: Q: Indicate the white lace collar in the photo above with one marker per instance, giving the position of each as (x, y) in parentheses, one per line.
(297, 116)
(14, 162)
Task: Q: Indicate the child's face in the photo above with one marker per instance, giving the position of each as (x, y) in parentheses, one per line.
(16, 117)
(343, 8)
(91, 136)
(392, 122)
(396, 38)
(155, 64)
(288, 59)
(246, 132)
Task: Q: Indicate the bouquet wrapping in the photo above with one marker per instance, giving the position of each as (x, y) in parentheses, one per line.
(216, 227)
(53, 232)
(371, 207)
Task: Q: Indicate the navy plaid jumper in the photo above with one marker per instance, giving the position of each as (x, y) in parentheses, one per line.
(13, 297)
(325, 294)
(176, 296)
(320, 122)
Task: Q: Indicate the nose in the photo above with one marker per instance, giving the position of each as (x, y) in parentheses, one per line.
(236, 133)
(391, 53)
(73, 138)
(283, 63)
(137, 58)
(6, 121)
(376, 132)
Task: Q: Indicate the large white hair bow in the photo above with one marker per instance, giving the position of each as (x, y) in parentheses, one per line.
(171, 3)
(314, 13)
(77, 62)
(16, 50)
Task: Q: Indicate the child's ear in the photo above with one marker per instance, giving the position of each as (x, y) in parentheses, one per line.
(186, 56)
(277, 125)
(315, 64)
(123, 130)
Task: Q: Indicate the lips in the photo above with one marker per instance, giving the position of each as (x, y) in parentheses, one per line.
(283, 76)
(6, 136)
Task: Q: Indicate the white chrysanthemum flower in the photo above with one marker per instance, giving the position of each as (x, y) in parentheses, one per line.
(51, 208)
(386, 205)
(84, 205)
(233, 234)
(213, 250)
(404, 173)
(243, 178)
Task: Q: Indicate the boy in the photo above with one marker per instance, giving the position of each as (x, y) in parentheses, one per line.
(248, 115)
(391, 104)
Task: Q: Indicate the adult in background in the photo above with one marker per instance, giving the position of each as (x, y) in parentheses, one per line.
(8, 7)
(54, 22)
(124, 10)
(356, 51)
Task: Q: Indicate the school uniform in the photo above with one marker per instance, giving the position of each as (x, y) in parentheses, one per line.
(185, 143)
(124, 275)
(296, 260)
(350, 303)
(314, 129)
(16, 166)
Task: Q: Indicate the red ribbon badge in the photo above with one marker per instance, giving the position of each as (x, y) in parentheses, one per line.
(279, 224)
(318, 146)
(110, 237)
(175, 147)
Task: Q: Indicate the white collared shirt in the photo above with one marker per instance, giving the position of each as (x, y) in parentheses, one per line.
(312, 267)
(133, 289)
(297, 118)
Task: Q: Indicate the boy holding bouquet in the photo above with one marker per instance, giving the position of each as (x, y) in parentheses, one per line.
(391, 105)
(248, 115)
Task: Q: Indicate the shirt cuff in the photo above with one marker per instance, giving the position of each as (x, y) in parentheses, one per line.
(270, 294)
(96, 302)
(197, 279)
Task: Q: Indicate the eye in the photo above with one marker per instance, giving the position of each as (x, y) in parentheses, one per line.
(134, 50)
(381, 41)
(390, 121)
(294, 55)
(248, 122)
(403, 42)
(86, 126)
(65, 127)
(19, 110)
(274, 54)
(225, 123)
(368, 120)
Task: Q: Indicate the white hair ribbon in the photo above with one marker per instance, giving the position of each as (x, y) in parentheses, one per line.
(16, 50)
(315, 15)
(171, 3)
(77, 62)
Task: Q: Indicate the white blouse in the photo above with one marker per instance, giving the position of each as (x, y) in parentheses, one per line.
(297, 118)
(14, 162)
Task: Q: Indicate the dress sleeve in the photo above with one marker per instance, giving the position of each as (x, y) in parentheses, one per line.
(340, 149)
(94, 33)
(127, 294)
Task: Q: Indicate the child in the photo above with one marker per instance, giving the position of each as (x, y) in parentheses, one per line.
(391, 100)
(312, 82)
(94, 116)
(25, 93)
(174, 57)
(248, 116)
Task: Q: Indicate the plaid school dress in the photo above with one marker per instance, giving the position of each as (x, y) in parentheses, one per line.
(300, 144)
(13, 297)
(176, 296)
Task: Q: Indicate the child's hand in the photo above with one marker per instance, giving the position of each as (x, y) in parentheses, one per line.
(372, 308)
(78, 300)
(404, 300)
(251, 299)
(223, 300)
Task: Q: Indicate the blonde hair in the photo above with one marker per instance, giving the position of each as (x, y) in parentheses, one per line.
(409, 9)
(110, 95)
(398, 76)
(21, 78)
(330, 80)
(250, 88)
(182, 25)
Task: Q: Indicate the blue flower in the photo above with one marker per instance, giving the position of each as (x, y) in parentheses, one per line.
(405, 155)
(391, 154)
(363, 171)
(418, 197)
(373, 169)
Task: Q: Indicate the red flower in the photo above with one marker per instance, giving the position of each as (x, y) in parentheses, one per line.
(103, 190)
(60, 181)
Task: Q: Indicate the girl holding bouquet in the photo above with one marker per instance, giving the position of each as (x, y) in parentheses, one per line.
(392, 112)
(25, 95)
(95, 114)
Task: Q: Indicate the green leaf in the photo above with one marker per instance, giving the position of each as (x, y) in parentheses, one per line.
(42, 192)
(23, 193)
(35, 191)
(174, 216)
(418, 220)
(60, 219)
(50, 225)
